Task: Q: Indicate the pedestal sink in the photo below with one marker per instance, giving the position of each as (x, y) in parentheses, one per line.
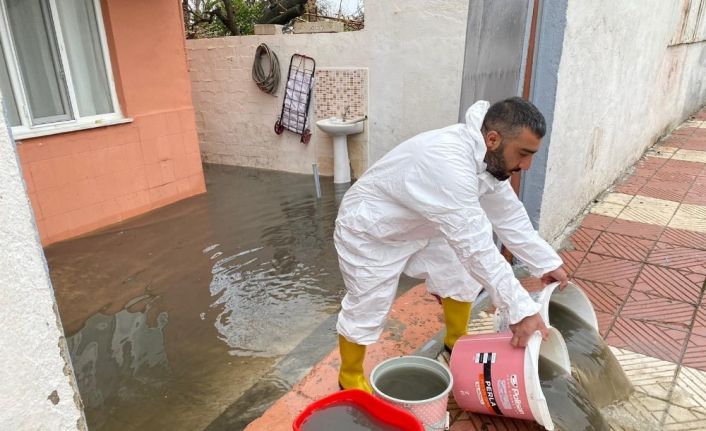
(339, 131)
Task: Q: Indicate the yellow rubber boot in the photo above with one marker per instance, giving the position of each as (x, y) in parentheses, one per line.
(351, 374)
(456, 315)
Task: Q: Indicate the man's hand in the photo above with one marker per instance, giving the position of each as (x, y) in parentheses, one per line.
(557, 275)
(524, 329)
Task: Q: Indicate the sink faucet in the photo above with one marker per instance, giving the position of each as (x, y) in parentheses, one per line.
(346, 112)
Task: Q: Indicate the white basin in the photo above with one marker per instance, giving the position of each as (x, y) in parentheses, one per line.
(338, 127)
(339, 130)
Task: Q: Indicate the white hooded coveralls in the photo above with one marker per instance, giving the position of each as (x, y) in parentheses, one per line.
(428, 208)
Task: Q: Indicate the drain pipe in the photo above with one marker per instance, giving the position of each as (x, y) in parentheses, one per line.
(317, 184)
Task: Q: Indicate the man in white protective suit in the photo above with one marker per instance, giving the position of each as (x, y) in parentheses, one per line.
(429, 208)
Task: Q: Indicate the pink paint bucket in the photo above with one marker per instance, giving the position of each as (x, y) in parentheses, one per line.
(417, 384)
(493, 377)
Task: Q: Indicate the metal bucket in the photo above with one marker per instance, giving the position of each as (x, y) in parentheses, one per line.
(431, 411)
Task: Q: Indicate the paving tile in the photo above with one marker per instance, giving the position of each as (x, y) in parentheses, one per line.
(690, 217)
(662, 189)
(605, 322)
(649, 375)
(690, 389)
(607, 298)
(631, 185)
(617, 198)
(649, 210)
(640, 412)
(652, 379)
(670, 283)
(571, 259)
(605, 269)
(695, 354)
(607, 209)
(596, 221)
(681, 419)
(470, 422)
(648, 338)
(662, 151)
(674, 256)
(583, 238)
(684, 238)
(699, 327)
(697, 193)
(636, 229)
(684, 166)
(678, 177)
(622, 246)
(695, 197)
(656, 309)
(690, 155)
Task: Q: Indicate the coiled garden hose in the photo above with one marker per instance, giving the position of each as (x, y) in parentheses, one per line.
(267, 83)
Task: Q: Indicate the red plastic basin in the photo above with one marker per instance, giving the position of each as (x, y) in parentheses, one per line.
(374, 407)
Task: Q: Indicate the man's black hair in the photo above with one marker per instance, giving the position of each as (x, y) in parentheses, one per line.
(509, 116)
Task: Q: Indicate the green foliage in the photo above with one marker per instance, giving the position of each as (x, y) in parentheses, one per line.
(205, 18)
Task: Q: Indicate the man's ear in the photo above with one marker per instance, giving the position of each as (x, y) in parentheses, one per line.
(492, 140)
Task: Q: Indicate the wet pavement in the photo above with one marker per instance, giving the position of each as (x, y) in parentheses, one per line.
(201, 314)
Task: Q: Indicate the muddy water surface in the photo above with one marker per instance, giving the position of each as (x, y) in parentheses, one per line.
(593, 364)
(173, 316)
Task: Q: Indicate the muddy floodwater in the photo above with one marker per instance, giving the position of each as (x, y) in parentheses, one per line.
(200, 314)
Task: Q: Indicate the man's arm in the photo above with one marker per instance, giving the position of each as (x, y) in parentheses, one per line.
(512, 225)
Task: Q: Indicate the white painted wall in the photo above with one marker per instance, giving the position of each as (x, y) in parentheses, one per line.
(414, 52)
(38, 387)
(620, 88)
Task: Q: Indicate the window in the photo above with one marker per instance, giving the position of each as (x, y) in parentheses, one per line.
(54, 66)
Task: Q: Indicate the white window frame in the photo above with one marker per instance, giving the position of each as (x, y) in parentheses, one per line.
(26, 129)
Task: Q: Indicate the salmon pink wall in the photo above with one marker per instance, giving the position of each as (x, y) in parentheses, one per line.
(85, 180)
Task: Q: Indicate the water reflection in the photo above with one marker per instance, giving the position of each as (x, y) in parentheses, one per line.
(172, 316)
(119, 355)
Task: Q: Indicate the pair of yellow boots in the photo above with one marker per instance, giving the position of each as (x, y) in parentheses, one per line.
(350, 376)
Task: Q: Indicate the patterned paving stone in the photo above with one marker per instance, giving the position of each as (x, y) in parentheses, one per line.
(695, 354)
(648, 338)
(617, 198)
(607, 209)
(695, 197)
(595, 221)
(670, 283)
(690, 217)
(680, 419)
(690, 389)
(631, 185)
(699, 327)
(604, 297)
(636, 229)
(622, 246)
(571, 259)
(605, 269)
(679, 177)
(605, 322)
(684, 238)
(690, 155)
(652, 379)
(651, 376)
(668, 190)
(491, 423)
(649, 210)
(674, 256)
(659, 310)
(583, 238)
(684, 166)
